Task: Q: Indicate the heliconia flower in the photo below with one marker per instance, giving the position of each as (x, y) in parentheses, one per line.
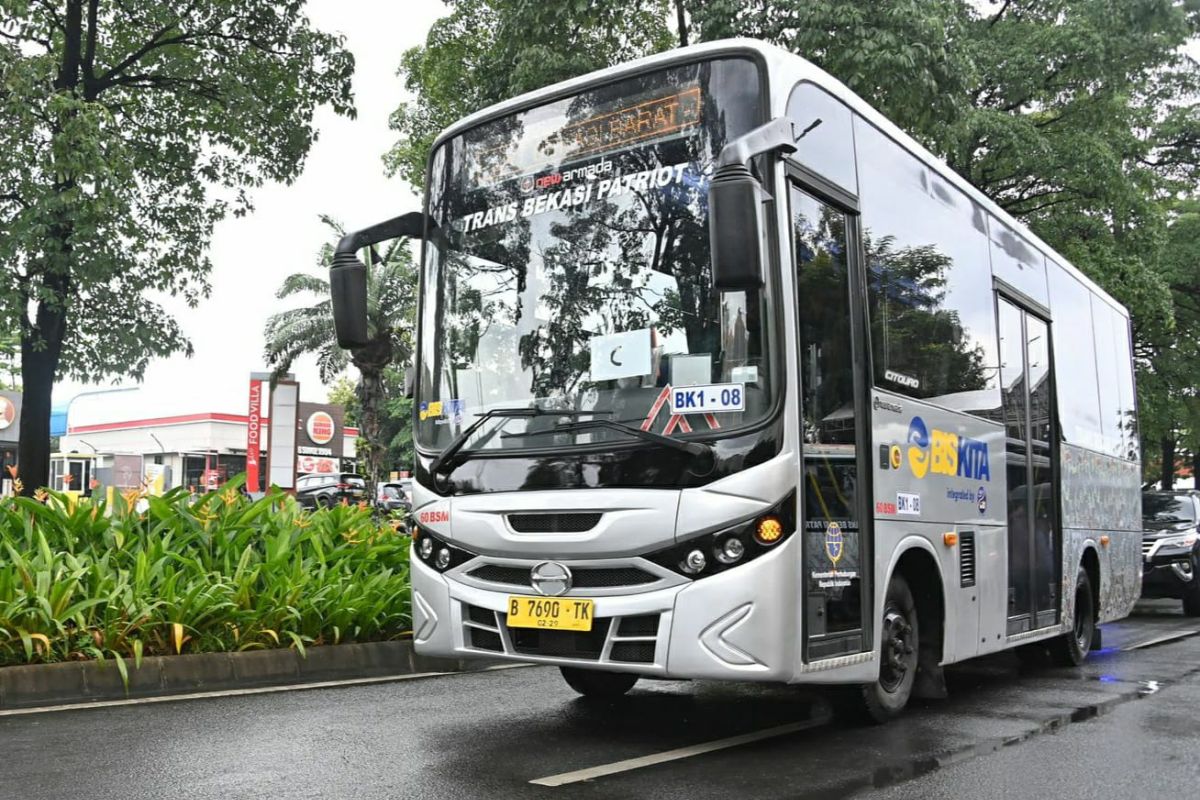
(68, 478)
(12, 470)
(95, 484)
(41, 495)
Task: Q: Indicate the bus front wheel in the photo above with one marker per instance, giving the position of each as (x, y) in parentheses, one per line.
(598, 684)
(884, 699)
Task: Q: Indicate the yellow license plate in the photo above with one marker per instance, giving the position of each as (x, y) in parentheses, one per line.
(550, 613)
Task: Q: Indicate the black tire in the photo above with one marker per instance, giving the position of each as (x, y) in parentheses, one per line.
(1191, 601)
(597, 683)
(884, 699)
(1071, 649)
(324, 501)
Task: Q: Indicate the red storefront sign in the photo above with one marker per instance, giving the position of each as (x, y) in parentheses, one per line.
(253, 434)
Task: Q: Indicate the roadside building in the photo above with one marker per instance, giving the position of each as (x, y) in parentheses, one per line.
(201, 449)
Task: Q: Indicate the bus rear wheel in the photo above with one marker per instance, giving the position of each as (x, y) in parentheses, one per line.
(884, 699)
(597, 683)
(1070, 649)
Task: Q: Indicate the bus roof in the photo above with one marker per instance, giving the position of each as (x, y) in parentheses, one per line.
(792, 69)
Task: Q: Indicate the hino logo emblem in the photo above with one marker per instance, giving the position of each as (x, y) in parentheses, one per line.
(551, 578)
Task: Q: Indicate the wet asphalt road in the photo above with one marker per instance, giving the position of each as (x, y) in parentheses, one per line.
(1125, 725)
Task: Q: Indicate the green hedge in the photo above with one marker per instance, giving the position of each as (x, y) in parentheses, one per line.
(219, 572)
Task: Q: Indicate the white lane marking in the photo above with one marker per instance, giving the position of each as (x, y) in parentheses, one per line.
(293, 687)
(674, 755)
(1170, 637)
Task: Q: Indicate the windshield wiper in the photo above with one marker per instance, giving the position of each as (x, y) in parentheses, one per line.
(702, 452)
(450, 457)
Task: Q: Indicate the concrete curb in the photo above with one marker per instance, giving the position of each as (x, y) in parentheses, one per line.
(82, 681)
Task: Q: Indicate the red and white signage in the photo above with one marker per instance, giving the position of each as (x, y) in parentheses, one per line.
(320, 427)
(316, 465)
(253, 434)
(8, 412)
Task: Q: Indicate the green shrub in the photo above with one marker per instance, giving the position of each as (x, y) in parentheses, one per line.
(176, 574)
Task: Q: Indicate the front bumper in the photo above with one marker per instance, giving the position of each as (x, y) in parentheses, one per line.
(734, 625)
(1170, 576)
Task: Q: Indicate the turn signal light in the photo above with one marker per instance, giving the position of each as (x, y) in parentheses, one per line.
(1104, 540)
(768, 531)
(950, 539)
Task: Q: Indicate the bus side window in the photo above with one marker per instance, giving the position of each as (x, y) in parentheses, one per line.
(826, 359)
(928, 280)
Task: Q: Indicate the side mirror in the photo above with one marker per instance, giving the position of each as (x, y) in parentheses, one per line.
(348, 275)
(348, 289)
(736, 229)
(736, 225)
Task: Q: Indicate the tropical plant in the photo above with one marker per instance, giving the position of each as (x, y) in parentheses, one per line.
(92, 580)
(391, 308)
(130, 129)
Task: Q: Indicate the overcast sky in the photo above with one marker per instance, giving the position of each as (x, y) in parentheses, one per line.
(343, 177)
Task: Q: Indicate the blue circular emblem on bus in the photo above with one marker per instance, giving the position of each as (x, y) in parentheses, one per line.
(981, 499)
(834, 542)
(918, 433)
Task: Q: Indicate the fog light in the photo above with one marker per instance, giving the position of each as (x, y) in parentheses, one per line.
(769, 531)
(443, 559)
(694, 562)
(731, 550)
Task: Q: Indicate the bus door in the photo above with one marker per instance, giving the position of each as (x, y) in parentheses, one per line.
(1034, 535)
(836, 548)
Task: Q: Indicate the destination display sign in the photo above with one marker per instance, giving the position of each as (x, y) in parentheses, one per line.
(649, 119)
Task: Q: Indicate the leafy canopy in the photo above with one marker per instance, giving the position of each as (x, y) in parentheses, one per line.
(130, 129)
(485, 51)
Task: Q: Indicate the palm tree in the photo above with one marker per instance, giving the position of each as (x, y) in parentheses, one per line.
(391, 310)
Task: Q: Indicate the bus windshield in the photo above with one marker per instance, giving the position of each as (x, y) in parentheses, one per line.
(570, 269)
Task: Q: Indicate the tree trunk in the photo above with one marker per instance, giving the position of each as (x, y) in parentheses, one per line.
(370, 393)
(1168, 463)
(681, 19)
(42, 338)
(38, 368)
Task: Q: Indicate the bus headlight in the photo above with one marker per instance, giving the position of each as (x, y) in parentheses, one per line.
(694, 562)
(731, 550)
(438, 554)
(732, 546)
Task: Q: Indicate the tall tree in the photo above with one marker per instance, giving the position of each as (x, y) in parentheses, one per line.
(1169, 352)
(391, 313)
(129, 130)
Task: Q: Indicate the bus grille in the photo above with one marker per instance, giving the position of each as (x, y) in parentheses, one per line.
(583, 577)
(631, 640)
(561, 644)
(1147, 546)
(557, 522)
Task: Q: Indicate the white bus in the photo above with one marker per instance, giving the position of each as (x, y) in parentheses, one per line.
(721, 375)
